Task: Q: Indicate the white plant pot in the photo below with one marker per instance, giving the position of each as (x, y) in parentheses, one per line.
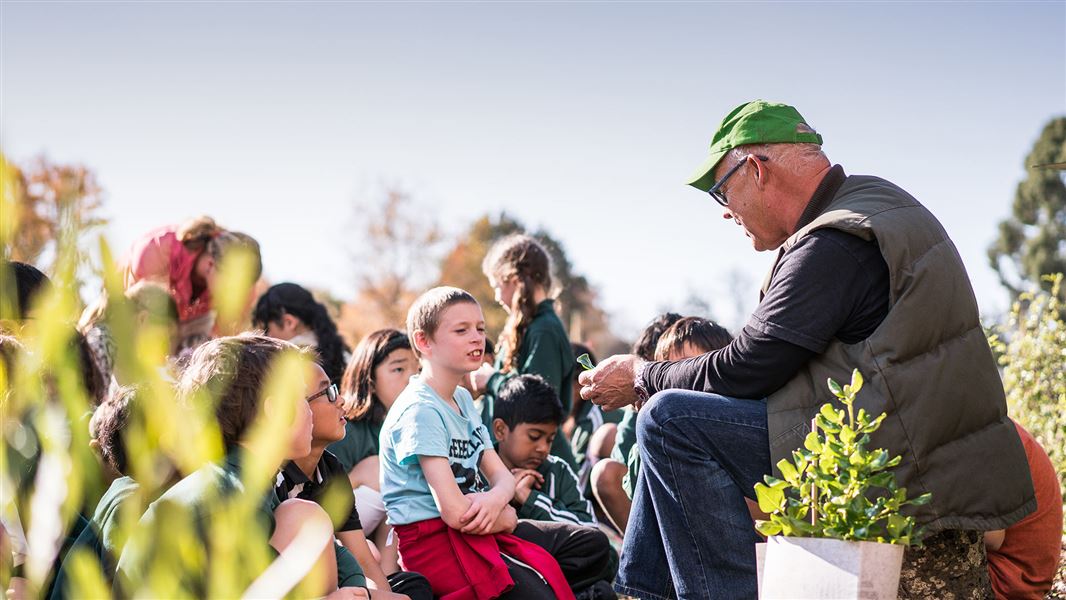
(820, 568)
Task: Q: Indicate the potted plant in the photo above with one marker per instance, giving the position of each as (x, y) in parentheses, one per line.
(835, 528)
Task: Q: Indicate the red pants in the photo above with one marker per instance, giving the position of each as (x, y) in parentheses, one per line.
(460, 566)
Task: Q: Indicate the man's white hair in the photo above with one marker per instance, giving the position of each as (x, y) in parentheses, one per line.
(796, 158)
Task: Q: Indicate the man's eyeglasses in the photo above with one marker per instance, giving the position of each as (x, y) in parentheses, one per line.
(716, 189)
(329, 392)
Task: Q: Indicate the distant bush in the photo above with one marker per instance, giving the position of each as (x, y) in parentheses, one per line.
(1031, 348)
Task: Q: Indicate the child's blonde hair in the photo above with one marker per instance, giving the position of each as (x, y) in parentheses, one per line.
(520, 258)
(424, 315)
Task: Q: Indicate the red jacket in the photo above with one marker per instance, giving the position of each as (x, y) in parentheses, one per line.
(159, 256)
(461, 566)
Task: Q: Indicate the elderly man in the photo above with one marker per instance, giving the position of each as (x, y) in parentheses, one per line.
(865, 278)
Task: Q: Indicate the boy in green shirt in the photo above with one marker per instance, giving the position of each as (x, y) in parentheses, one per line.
(526, 422)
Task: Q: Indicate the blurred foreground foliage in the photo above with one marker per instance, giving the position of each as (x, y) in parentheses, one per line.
(49, 474)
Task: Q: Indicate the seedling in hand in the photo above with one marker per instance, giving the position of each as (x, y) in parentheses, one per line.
(585, 362)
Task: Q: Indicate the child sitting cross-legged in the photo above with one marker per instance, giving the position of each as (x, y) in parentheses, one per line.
(453, 526)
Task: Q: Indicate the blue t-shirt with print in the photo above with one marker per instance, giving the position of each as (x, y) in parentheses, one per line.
(421, 423)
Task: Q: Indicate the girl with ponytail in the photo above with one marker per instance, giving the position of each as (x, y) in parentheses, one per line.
(533, 339)
(287, 311)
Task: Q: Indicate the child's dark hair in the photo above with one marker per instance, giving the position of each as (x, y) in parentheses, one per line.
(358, 380)
(520, 258)
(644, 347)
(91, 377)
(527, 399)
(289, 298)
(108, 426)
(232, 370)
(424, 314)
(29, 283)
(697, 332)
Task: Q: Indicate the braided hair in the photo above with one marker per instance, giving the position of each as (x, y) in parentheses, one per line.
(295, 300)
(522, 259)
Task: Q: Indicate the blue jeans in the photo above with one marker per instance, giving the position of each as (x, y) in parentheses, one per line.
(690, 534)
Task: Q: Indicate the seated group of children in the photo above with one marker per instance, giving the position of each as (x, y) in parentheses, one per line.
(468, 521)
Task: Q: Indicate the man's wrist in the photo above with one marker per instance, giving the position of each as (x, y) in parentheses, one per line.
(639, 387)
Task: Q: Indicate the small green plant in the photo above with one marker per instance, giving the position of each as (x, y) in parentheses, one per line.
(585, 361)
(827, 490)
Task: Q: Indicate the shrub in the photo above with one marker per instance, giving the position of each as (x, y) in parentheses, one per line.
(830, 488)
(1031, 348)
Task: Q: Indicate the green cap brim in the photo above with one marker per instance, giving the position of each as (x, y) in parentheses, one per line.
(703, 178)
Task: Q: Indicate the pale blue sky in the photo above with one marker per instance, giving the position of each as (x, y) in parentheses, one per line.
(580, 117)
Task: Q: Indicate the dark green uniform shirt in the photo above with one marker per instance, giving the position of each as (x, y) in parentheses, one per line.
(360, 441)
(558, 498)
(545, 351)
(177, 529)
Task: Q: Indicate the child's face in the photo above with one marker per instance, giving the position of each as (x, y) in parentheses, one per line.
(391, 375)
(527, 445)
(504, 289)
(300, 441)
(459, 341)
(327, 418)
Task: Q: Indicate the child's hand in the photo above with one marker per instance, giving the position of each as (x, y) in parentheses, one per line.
(525, 480)
(484, 509)
(480, 378)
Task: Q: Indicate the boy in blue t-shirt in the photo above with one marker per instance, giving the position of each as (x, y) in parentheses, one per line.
(446, 491)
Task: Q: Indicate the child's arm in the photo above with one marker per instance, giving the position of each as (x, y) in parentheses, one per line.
(568, 505)
(451, 502)
(501, 489)
(478, 513)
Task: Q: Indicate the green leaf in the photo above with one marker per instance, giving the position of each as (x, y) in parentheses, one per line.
(856, 381)
(812, 443)
(920, 500)
(834, 387)
(770, 498)
(767, 528)
(585, 362)
(788, 471)
(832, 415)
(847, 435)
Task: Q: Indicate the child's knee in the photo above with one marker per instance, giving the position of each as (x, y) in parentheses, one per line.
(602, 441)
(295, 516)
(607, 477)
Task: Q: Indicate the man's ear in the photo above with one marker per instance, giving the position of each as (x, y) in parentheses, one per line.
(758, 172)
(500, 429)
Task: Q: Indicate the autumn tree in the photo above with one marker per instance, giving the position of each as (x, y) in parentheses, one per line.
(44, 201)
(394, 260)
(1032, 242)
(577, 302)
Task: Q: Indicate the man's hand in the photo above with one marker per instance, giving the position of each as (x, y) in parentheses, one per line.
(525, 480)
(610, 384)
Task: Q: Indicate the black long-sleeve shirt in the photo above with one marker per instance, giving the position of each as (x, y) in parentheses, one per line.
(830, 285)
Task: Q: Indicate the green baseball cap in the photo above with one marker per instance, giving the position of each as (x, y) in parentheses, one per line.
(755, 122)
